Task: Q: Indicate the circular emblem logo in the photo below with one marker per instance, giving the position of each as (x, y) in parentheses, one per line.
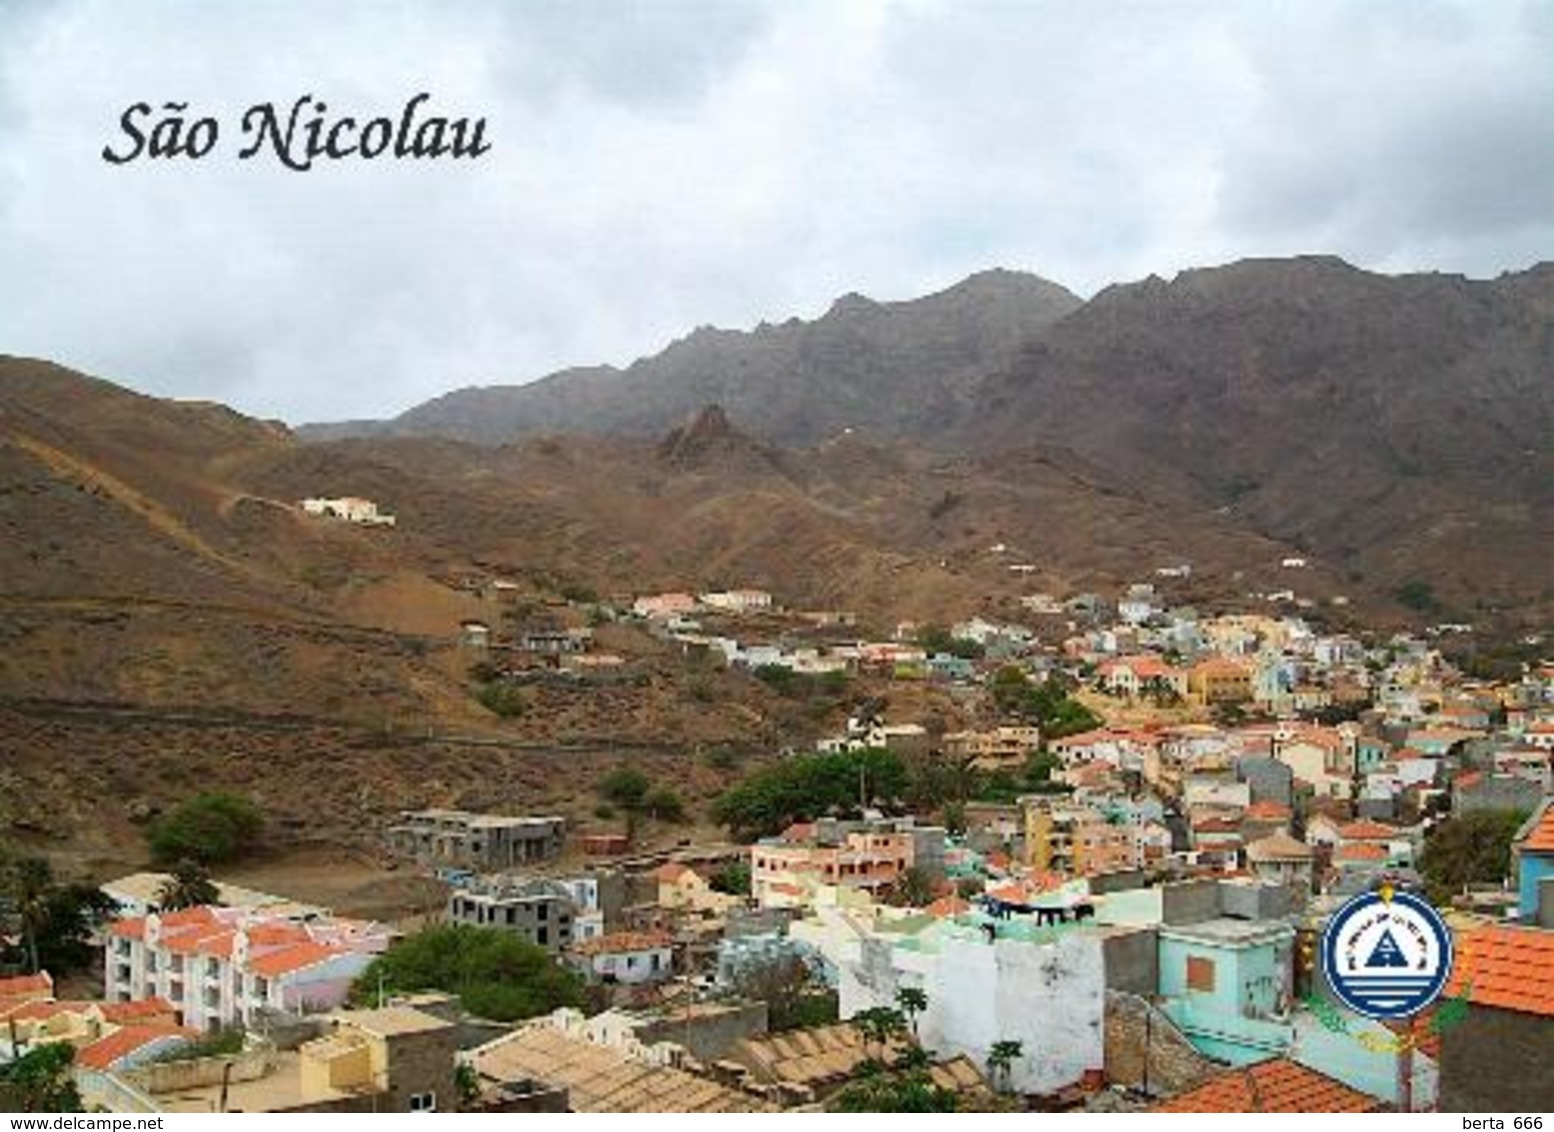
(1387, 954)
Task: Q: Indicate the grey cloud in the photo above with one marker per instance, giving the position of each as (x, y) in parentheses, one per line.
(662, 165)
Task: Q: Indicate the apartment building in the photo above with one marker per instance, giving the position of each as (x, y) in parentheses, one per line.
(1078, 841)
(225, 966)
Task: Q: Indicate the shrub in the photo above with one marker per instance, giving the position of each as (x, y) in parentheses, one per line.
(505, 700)
(625, 787)
(663, 804)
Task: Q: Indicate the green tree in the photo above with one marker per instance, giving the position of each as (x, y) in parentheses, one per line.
(1048, 704)
(188, 886)
(732, 879)
(1418, 596)
(806, 787)
(914, 888)
(1000, 1062)
(938, 639)
(626, 787)
(909, 1090)
(55, 921)
(467, 1081)
(40, 1081)
(663, 804)
(209, 829)
(913, 1001)
(878, 1026)
(495, 974)
(1472, 849)
(794, 1000)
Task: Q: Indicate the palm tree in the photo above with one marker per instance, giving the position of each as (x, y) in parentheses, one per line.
(30, 883)
(878, 1026)
(1001, 1059)
(188, 886)
(912, 1001)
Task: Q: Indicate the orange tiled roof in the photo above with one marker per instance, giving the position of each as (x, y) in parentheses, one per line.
(47, 1008)
(1366, 831)
(105, 1052)
(1267, 810)
(18, 985)
(1510, 968)
(1472, 778)
(947, 906)
(285, 960)
(671, 873)
(126, 1012)
(1360, 851)
(1279, 1085)
(1427, 1038)
(617, 943)
(1541, 838)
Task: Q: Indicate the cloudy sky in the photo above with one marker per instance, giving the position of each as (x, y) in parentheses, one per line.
(661, 165)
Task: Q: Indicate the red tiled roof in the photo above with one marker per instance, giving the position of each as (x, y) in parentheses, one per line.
(1472, 778)
(1511, 968)
(1541, 837)
(1279, 1085)
(106, 1052)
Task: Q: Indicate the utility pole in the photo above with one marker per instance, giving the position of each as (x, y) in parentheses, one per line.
(1405, 1068)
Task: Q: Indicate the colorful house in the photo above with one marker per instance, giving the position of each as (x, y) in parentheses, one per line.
(1532, 852)
(1226, 983)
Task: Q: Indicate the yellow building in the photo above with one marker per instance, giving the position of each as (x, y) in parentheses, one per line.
(1076, 841)
(1219, 680)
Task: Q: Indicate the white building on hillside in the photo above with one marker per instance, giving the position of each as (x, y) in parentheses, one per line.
(350, 508)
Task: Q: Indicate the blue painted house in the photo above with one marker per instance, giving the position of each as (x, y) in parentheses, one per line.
(1227, 984)
(1532, 851)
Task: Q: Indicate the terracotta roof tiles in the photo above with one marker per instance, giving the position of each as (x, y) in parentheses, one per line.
(1511, 968)
(1359, 851)
(1279, 1085)
(617, 943)
(1540, 839)
(285, 960)
(106, 1052)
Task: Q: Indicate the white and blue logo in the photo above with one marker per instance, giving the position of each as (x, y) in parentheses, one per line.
(1387, 954)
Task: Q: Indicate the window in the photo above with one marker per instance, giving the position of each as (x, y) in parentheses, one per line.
(544, 912)
(423, 1102)
(542, 936)
(1200, 974)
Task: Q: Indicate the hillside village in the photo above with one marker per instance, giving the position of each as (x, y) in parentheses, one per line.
(1086, 872)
